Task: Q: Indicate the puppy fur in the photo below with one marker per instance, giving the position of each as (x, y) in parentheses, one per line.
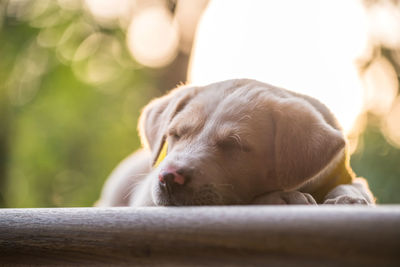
(240, 142)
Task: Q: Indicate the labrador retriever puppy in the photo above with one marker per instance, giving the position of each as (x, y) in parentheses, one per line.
(236, 142)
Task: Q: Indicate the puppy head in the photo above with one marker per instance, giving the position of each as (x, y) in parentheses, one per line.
(228, 142)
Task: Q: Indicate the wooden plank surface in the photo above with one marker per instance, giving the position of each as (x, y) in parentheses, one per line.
(219, 236)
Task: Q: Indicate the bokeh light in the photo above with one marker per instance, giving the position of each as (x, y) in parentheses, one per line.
(391, 125)
(187, 15)
(95, 60)
(153, 37)
(380, 84)
(384, 18)
(25, 78)
(108, 13)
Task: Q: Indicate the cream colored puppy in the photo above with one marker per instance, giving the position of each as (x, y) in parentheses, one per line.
(236, 142)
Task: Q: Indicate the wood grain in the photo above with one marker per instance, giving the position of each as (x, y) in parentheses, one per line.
(219, 236)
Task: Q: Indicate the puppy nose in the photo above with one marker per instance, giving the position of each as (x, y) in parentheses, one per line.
(171, 176)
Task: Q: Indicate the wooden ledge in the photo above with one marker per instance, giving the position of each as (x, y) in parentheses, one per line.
(235, 235)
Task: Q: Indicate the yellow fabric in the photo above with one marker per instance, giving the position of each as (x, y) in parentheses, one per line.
(162, 155)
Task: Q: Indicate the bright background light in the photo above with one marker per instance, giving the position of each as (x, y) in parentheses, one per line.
(306, 46)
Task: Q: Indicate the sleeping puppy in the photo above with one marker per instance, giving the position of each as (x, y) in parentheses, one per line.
(236, 142)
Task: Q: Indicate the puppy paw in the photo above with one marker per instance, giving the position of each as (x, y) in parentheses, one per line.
(285, 198)
(347, 200)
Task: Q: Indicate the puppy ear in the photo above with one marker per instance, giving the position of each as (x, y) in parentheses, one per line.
(156, 116)
(304, 142)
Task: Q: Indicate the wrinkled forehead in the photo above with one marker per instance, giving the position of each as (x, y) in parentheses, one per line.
(222, 109)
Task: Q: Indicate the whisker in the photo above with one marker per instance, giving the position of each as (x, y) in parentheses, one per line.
(138, 175)
(134, 183)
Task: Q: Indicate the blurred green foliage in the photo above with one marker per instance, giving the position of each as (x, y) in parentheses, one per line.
(70, 96)
(378, 161)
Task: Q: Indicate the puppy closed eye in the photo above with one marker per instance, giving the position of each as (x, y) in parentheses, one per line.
(174, 135)
(233, 143)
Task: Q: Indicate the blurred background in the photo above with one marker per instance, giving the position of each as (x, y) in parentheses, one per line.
(74, 75)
